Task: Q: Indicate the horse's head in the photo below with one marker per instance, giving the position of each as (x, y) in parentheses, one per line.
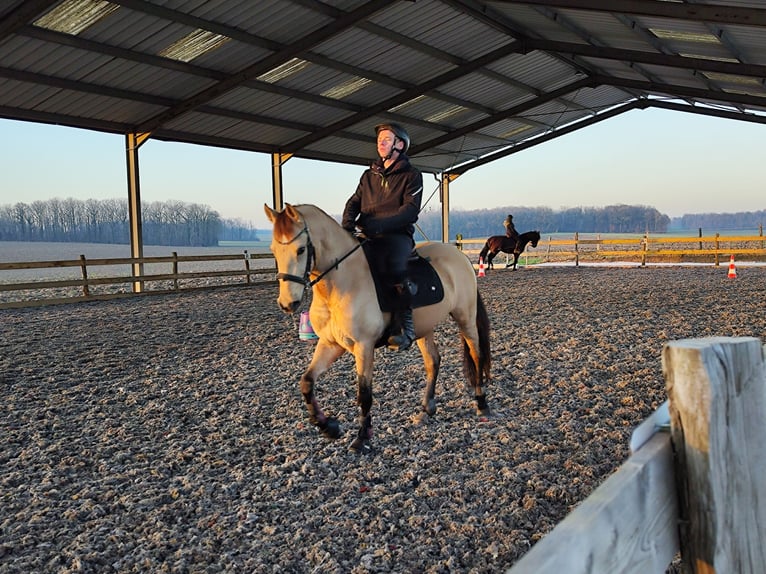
(535, 238)
(293, 252)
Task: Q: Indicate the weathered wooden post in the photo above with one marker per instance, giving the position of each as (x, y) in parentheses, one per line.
(577, 248)
(645, 249)
(84, 272)
(717, 395)
(175, 270)
(247, 268)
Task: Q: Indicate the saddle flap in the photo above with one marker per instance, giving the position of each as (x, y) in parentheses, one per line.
(419, 270)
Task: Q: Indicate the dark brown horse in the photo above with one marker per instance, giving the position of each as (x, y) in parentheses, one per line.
(503, 243)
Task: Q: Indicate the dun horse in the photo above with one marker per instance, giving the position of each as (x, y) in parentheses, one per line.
(312, 250)
(503, 243)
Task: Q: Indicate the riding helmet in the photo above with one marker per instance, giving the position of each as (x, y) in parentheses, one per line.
(399, 132)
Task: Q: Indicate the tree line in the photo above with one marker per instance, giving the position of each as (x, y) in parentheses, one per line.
(106, 221)
(609, 219)
(722, 221)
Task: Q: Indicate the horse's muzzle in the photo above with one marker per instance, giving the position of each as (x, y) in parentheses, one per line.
(292, 307)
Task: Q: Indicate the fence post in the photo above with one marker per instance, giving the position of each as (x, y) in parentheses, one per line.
(717, 247)
(84, 271)
(577, 248)
(646, 247)
(717, 405)
(247, 268)
(459, 241)
(548, 251)
(699, 234)
(175, 271)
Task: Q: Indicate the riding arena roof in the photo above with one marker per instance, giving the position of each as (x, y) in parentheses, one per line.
(472, 80)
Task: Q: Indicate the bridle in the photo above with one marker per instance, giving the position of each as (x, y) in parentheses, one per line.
(306, 281)
(311, 255)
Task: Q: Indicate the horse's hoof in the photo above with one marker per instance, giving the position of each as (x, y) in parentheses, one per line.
(484, 413)
(360, 446)
(331, 428)
(430, 408)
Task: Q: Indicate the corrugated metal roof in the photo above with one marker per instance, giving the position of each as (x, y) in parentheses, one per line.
(472, 80)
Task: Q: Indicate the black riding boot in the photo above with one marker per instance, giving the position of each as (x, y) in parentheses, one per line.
(403, 340)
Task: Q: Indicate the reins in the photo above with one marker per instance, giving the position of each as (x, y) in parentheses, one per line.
(337, 262)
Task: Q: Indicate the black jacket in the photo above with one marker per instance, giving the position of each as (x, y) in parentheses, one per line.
(386, 200)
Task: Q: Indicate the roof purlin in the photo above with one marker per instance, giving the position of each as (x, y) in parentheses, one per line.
(264, 65)
(407, 95)
(587, 82)
(547, 137)
(679, 91)
(24, 13)
(670, 60)
(718, 13)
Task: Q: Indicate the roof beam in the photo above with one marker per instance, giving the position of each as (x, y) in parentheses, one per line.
(460, 170)
(705, 111)
(587, 82)
(660, 8)
(671, 60)
(406, 95)
(319, 59)
(264, 65)
(677, 91)
(25, 12)
(79, 122)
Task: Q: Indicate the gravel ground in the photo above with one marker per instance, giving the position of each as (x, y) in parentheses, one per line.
(167, 433)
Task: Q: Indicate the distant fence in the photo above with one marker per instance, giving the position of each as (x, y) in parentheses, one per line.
(97, 279)
(698, 489)
(640, 249)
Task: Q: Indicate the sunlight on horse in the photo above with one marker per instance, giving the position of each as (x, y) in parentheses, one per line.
(312, 250)
(503, 243)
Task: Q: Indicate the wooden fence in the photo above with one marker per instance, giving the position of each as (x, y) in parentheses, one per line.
(639, 249)
(93, 285)
(96, 279)
(699, 489)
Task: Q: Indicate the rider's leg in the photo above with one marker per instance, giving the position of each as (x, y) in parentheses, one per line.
(400, 248)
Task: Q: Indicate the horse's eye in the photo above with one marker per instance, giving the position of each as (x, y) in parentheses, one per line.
(301, 250)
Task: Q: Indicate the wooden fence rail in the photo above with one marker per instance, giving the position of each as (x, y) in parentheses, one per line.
(152, 283)
(642, 249)
(699, 489)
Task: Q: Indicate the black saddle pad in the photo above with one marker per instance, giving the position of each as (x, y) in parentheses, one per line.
(420, 271)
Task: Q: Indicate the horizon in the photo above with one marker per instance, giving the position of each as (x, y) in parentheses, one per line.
(658, 158)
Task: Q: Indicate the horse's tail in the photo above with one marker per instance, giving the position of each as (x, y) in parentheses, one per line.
(473, 372)
(484, 251)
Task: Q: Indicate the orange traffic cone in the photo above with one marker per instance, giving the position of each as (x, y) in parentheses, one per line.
(481, 268)
(732, 269)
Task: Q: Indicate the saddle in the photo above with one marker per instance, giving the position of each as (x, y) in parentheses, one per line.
(420, 272)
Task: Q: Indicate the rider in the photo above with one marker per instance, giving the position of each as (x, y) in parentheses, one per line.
(510, 229)
(385, 207)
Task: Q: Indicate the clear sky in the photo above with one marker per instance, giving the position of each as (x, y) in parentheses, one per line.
(676, 162)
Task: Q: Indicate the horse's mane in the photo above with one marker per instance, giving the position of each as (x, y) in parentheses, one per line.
(309, 209)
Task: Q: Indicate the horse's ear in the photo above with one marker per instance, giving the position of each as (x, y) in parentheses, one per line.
(270, 213)
(292, 213)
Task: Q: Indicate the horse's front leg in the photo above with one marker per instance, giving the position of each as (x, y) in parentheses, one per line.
(431, 360)
(325, 355)
(364, 355)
